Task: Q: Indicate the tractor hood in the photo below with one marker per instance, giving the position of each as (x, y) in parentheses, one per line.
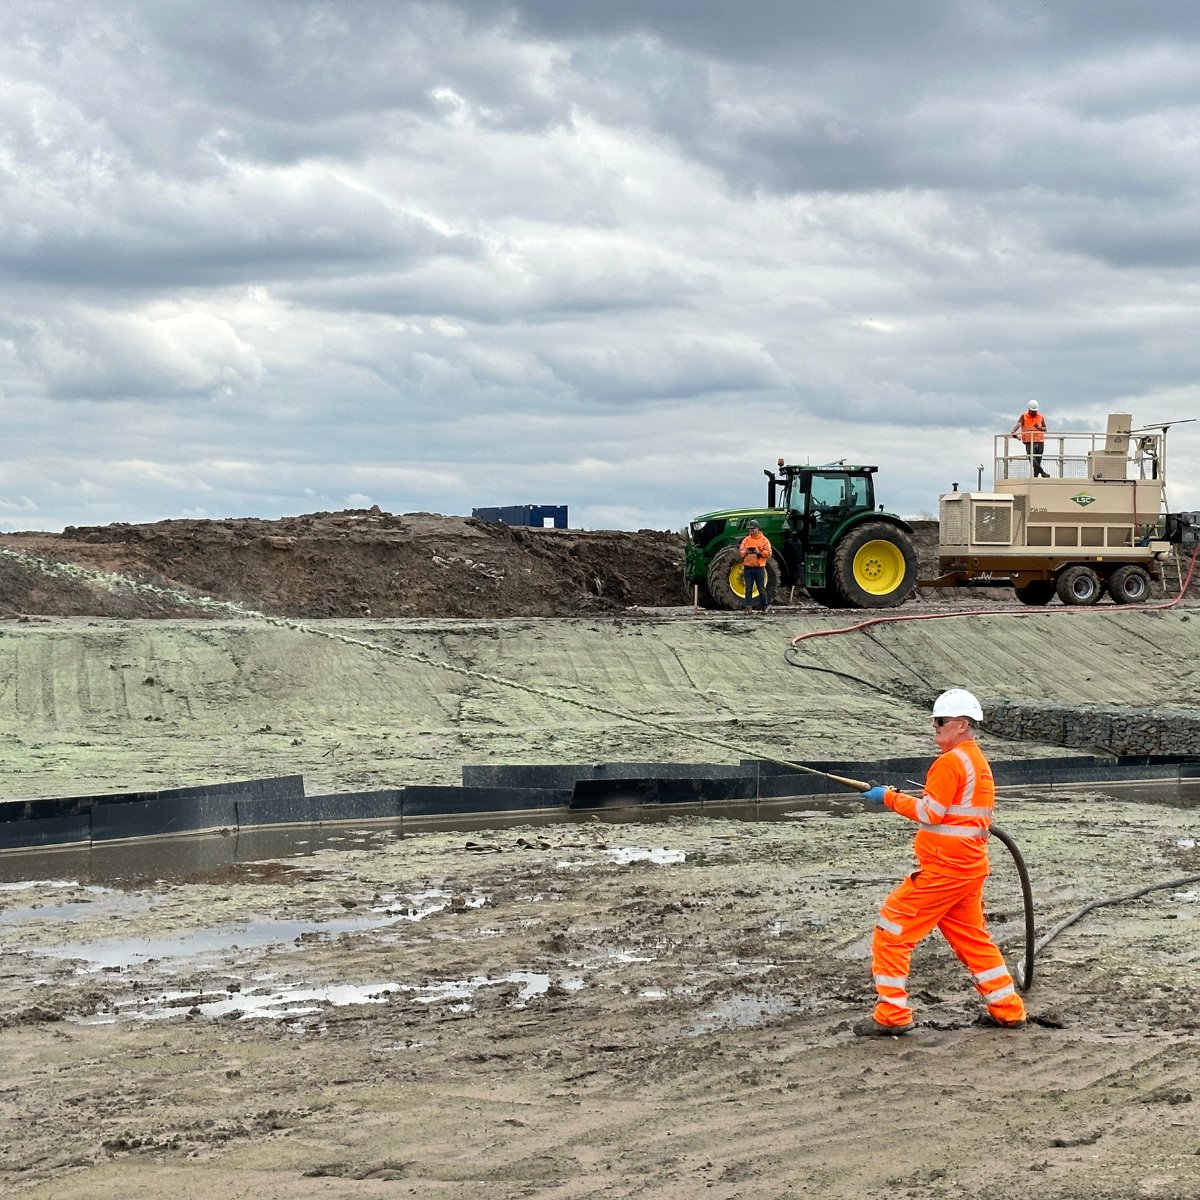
(708, 526)
(738, 514)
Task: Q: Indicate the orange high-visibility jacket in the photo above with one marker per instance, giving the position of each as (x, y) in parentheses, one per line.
(1031, 427)
(954, 811)
(755, 549)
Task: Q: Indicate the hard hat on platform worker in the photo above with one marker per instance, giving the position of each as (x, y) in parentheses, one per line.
(752, 525)
(1033, 406)
(957, 702)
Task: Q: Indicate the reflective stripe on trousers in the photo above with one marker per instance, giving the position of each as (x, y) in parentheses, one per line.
(925, 901)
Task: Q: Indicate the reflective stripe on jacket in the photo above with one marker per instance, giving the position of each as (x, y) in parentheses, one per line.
(1030, 427)
(954, 811)
(755, 549)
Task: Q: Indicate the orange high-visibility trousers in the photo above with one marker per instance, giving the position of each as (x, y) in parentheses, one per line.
(928, 900)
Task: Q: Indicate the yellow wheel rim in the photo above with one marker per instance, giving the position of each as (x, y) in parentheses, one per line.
(879, 568)
(737, 580)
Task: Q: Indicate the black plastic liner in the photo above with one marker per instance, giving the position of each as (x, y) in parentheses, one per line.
(499, 790)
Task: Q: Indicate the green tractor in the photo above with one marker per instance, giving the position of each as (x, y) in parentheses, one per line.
(827, 537)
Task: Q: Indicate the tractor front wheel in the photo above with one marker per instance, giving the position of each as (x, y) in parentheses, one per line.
(875, 566)
(727, 581)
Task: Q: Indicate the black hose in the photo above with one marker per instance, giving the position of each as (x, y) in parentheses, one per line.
(1087, 908)
(1024, 973)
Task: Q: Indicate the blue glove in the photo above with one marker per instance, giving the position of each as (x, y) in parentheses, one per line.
(873, 795)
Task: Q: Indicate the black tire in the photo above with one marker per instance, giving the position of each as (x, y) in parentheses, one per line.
(1078, 585)
(875, 566)
(1036, 592)
(1129, 584)
(725, 583)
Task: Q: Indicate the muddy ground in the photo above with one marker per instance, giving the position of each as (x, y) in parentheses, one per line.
(584, 1009)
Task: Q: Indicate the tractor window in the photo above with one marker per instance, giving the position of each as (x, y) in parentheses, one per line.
(828, 491)
(849, 493)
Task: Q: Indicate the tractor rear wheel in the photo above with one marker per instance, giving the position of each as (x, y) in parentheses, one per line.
(727, 582)
(875, 566)
(1129, 584)
(1036, 592)
(1078, 585)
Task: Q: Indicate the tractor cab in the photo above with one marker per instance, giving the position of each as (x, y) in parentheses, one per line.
(819, 500)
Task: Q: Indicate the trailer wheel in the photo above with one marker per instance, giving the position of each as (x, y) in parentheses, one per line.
(1078, 585)
(1035, 592)
(1129, 584)
(727, 582)
(875, 566)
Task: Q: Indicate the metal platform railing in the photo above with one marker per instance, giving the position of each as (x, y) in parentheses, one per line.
(1081, 456)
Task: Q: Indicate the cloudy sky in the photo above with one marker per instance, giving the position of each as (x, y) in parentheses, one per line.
(270, 257)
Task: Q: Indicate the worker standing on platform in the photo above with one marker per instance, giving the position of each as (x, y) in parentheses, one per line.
(945, 892)
(1031, 429)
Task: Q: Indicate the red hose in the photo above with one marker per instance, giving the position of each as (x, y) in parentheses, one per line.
(1000, 612)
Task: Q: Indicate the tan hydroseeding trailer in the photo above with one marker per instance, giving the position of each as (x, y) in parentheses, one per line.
(1095, 522)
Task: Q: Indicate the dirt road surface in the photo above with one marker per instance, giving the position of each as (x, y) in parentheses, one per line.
(596, 1008)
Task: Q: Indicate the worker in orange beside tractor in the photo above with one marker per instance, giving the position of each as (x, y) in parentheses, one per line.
(755, 551)
(945, 892)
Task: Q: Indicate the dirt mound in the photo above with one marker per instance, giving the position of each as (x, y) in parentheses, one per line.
(360, 562)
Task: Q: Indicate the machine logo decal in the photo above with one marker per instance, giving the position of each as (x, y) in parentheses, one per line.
(1083, 499)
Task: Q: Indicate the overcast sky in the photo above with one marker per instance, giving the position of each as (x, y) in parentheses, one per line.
(266, 258)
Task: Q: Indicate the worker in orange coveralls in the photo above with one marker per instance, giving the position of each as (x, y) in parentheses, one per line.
(755, 551)
(1031, 429)
(954, 813)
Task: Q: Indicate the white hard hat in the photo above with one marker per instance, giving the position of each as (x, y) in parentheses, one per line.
(957, 702)
(1033, 406)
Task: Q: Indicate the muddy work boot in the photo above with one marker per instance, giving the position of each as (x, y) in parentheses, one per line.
(989, 1022)
(872, 1028)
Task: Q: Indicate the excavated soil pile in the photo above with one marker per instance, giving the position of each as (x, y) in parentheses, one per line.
(350, 564)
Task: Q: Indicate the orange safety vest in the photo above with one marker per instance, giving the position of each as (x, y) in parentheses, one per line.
(755, 549)
(1032, 427)
(954, 811)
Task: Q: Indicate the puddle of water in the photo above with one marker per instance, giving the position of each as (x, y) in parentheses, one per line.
(631, 854)
(98, 902)
(293, 1001)
(123, 954)
(741, 1011)
(286, 1004)
(532, 984)
(183, 858)
(623, 855)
